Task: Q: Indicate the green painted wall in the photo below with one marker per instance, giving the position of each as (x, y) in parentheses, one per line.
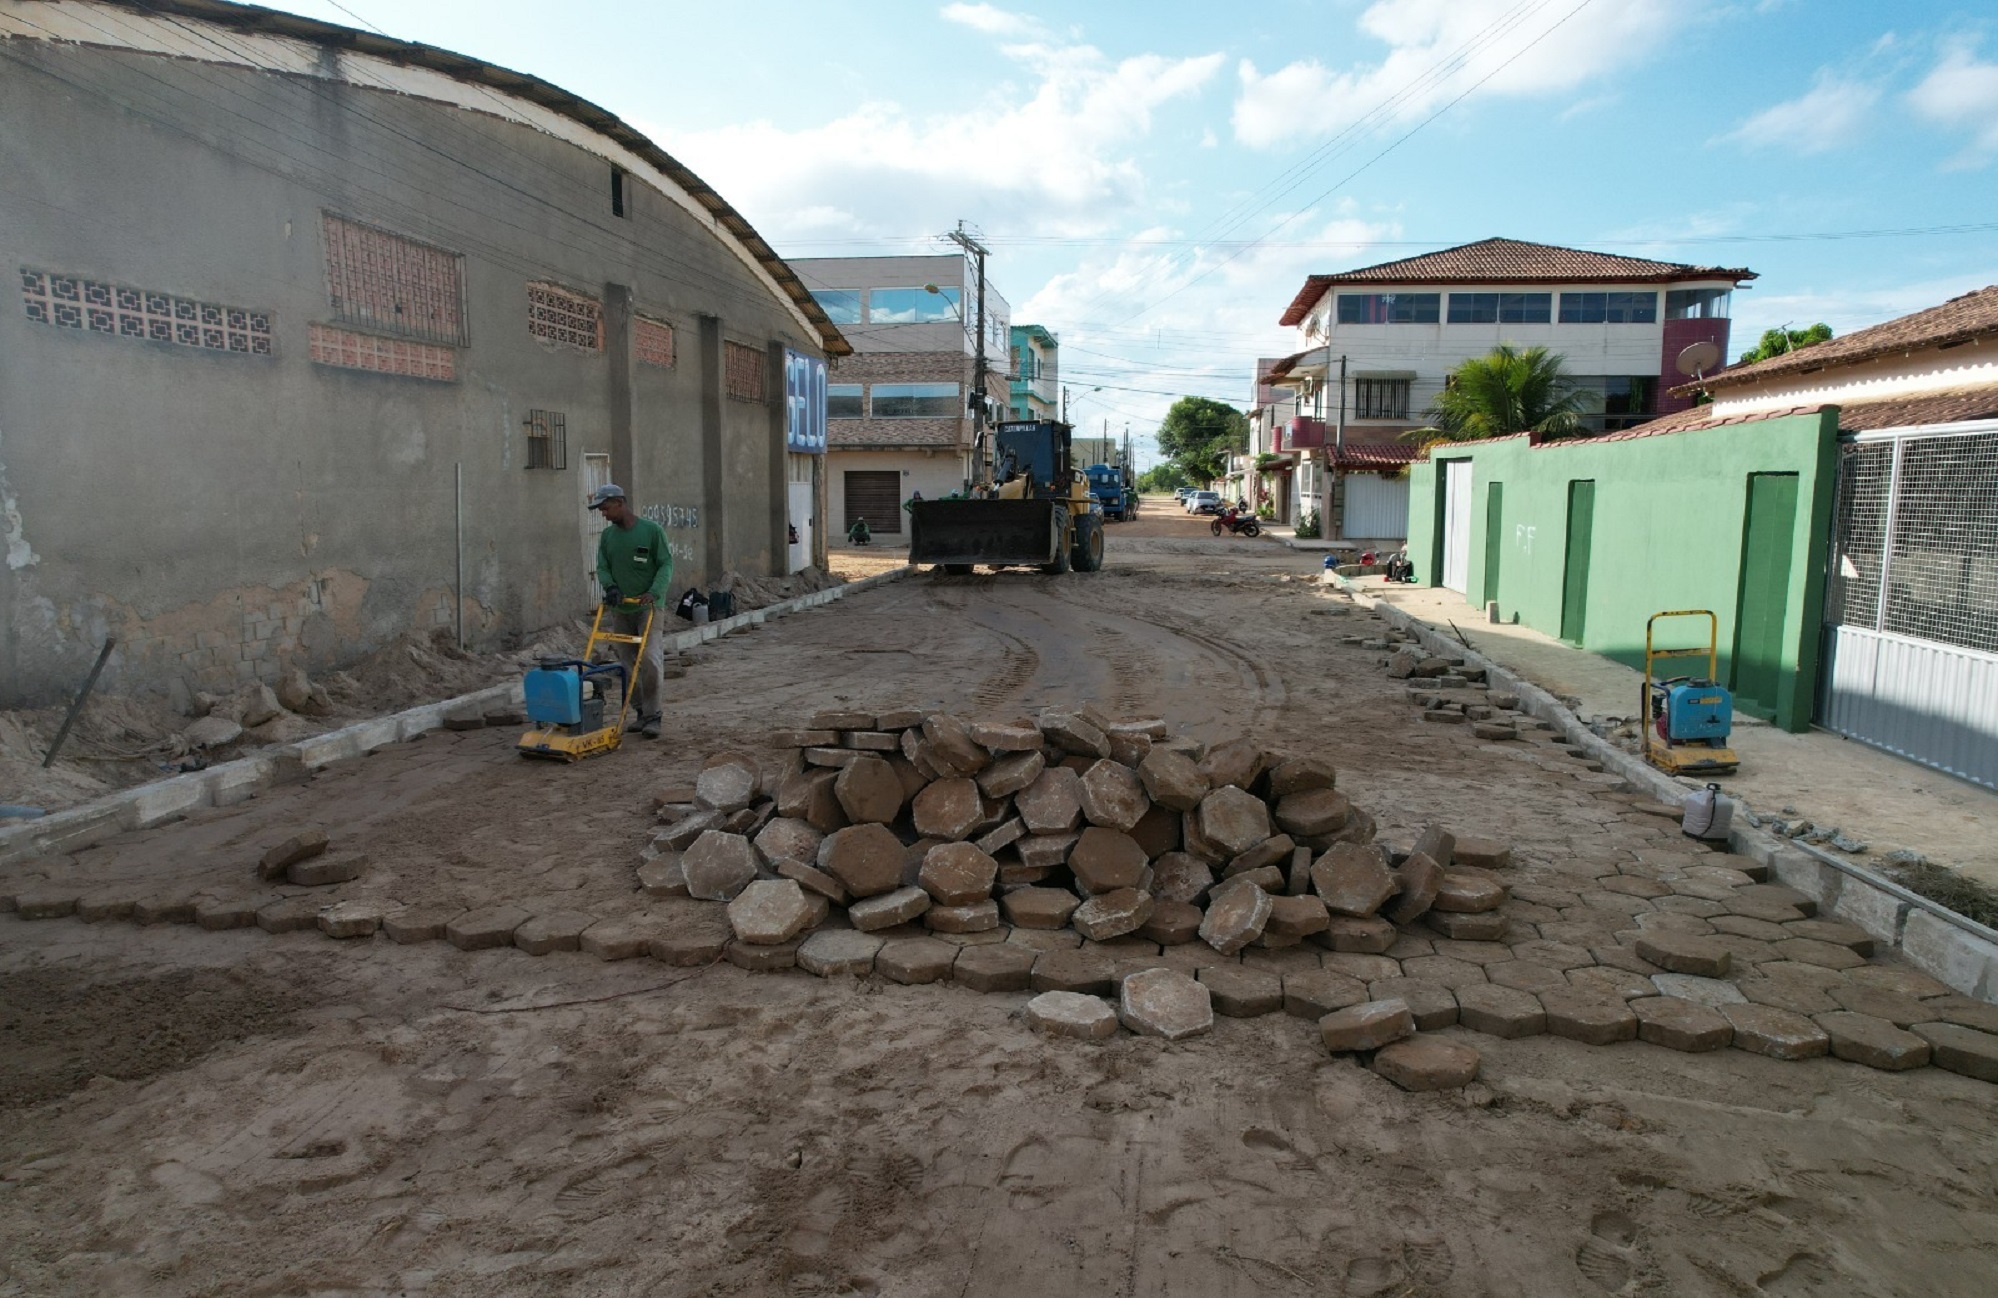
(1670, 531)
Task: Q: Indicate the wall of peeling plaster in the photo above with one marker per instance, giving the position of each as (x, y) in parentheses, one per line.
(225, 515)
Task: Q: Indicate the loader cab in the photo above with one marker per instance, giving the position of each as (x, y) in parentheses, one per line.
(1037, 449)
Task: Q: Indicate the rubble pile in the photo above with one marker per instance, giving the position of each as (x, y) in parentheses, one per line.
(1080, 827)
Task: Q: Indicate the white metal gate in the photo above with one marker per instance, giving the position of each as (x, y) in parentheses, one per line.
(1911, 607)
(1376, 507)
(1457, 525)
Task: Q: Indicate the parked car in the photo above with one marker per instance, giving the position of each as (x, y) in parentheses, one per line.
(1181, 493)
(1203, 502)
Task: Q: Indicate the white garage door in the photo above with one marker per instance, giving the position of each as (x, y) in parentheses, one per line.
(1376, 508)
(1457, 525)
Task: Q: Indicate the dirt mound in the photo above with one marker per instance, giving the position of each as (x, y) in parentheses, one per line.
(62, 1030)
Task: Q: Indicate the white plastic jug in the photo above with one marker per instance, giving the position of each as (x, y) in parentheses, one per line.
(1709, 813)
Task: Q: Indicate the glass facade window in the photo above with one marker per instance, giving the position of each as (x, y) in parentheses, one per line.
(911, 305)
(1390, 308)
(1501, 308)
(843, 401)
(917, 400)
(1609, 308)
(1697, 303)
(841, 305)
(1619, 400)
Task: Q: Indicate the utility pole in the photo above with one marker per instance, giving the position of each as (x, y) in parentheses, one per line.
(978, 252)
(1332, 460)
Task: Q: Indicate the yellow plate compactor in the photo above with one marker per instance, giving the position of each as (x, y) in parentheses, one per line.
(566, 706)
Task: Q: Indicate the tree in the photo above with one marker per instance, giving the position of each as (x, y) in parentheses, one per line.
(1161, 478)
(1505, 392)
(1199, 434)
(1777, 341)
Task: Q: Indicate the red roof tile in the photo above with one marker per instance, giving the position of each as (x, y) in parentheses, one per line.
(1957, 321)
(1376, 455)
(1510, 261)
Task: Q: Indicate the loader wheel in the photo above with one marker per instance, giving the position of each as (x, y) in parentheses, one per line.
(1061, 555)
(1088, 544)
(956, 569)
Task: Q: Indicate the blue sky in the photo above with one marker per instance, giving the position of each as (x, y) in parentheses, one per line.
(1156, 179)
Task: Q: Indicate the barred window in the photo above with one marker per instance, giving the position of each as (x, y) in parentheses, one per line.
(355, 351)
(389, 282)
(547, 440)
(744, 366)
(120, 311)
(559, 316)
(652, 340)
(1380, 398)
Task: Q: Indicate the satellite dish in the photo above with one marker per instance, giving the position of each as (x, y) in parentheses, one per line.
(1697, 358)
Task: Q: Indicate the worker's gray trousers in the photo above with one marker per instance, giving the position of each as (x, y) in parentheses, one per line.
(646, 680)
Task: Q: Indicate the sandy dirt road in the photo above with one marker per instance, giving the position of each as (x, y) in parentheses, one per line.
(189, 1112)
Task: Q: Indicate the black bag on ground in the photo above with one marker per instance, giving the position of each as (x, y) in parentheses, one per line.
(721, 604)
(688, 603)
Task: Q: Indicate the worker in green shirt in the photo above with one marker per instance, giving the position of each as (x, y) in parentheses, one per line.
(634, 570)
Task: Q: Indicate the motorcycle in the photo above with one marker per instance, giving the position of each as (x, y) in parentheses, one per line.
(1237, 521)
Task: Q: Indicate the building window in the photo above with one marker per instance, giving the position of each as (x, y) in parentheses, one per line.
(120, 311)
(387, 282)
(744, 372)
(348, 350)
(1609, 308)
(1697, 303)
(911, 305)
(1619, 400)
(547, 440)
(1501, 308)
(1390, 308)
(652, 342)
(617, 191)
(841, 305)
(556, 315)
(1380, 398)
(917, 400)
(843, 401)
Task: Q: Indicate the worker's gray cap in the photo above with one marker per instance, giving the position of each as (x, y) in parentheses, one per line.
(609, 491)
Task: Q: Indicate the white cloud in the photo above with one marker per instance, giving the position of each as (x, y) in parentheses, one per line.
(1438, 49)
(1053, 153)
(1833, 113)
(990, 19)
(1962, 93)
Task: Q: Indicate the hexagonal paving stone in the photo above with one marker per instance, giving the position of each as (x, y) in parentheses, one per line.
(1236, 915)
(1526, 976)
(1366, 1026)
(1353, 880)
(1052, 804)
(1242, 993)
(1863, 1039)
(1172, 923)
(1593, 1020)
(867, 859)
(1113, 797)
(1830, 955)
(1835, 931)
(1070, 1014)
(888, 909)
(1314, 993)
(1234, 819)
(1680, 1024)
(1039, 908)
(1892, 978)
(1071, 971)
(1500, 1011)
(1443, 970)
(1684, 953)
(1427, 1064)
(1959, 1049)
(999, 967)
(1432, 1004)
(1778, 1033)
(915, 960)
(1165, 1003)
(833, 952)
(1901, 1011)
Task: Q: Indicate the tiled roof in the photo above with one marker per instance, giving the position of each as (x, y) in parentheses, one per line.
(1853, 416)
(1974, 315)
(1510, 261)
(1376, 455)
(1685, 421)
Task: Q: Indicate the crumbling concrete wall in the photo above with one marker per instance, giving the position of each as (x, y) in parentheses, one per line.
(226, 512)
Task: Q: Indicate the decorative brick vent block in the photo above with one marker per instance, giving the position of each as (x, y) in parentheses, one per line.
(118, 310)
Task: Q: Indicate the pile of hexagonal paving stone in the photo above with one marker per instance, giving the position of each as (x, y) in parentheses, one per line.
(1132, 877)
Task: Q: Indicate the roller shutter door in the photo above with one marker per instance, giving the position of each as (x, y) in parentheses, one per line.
(875, 495)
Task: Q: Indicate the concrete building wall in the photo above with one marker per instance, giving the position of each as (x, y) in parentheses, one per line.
(225, 513)
(935, 474)
(1669, 528)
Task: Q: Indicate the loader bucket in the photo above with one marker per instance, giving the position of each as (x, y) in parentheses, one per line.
(984, 531)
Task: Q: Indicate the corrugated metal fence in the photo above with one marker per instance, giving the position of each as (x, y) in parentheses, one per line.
(1912, 603)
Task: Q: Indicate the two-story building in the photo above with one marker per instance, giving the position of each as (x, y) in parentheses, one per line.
(1377, 345)
(900, 410)
(1036, 374)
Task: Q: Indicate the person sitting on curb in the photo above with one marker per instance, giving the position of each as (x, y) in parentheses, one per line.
(859, 533)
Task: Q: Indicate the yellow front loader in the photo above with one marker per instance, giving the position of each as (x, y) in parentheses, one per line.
(1037, 511)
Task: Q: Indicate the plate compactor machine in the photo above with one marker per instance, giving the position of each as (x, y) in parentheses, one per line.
(1688, 718)
(1036, 512)
(566, 704)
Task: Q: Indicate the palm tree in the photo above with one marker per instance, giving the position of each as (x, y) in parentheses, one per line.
(1506, 392)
